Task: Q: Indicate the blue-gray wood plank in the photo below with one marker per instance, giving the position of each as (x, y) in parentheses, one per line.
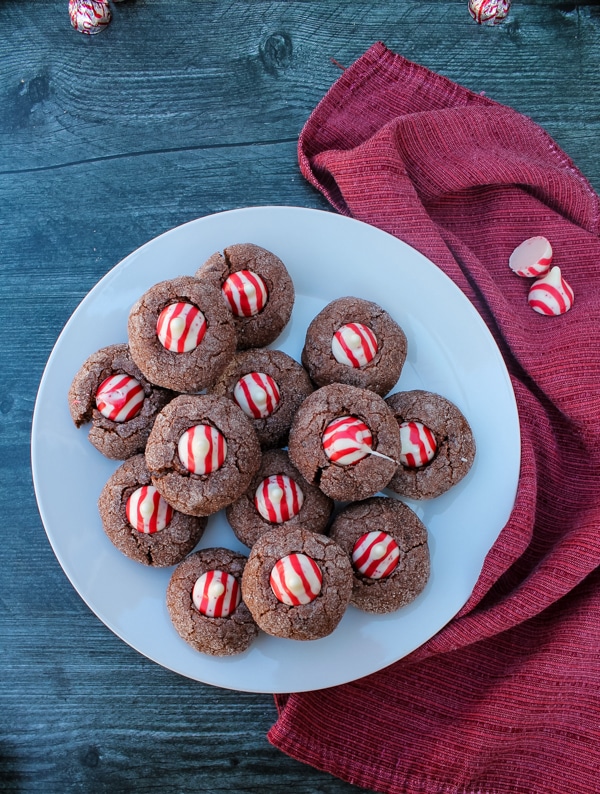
(177, 110)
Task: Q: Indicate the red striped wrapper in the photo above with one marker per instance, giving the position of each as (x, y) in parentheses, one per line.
(245, 293)
(120, 397)
(147, 511)
(278, 498)
(296, 579)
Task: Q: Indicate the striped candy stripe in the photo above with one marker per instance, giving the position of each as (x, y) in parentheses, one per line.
(202, 449)
(296, 579)
(120, 398)
(245, 293)
(375, 555)
(531, 258)
(417, 444)
(551, 295)
(488, 11)
(181, 327)
(354, 345)
(347, 440)
(257, 395)
(216, 594)
(278, 498)
(147, 511)
(89, 16)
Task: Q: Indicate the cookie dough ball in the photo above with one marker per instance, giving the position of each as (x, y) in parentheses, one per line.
(297, 584)
(346, 441)
(202, 453)
(437, 444)
(256, 289)
(205, 604)
(355, 341)
(278, 498)
(181, 334)
(140, 523)
(110, 392)
(386, 543)
(269, 387)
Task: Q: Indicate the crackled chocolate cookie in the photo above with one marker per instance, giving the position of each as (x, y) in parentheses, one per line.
(140, 523)
(181, 334)
(110, 392)
(437, 447)
(202, 453)
(269, 386)
(346, 441)
(278, 497)
(386, 543)
(257, 289)
(205, 603)
(297, 584)
(355, 341)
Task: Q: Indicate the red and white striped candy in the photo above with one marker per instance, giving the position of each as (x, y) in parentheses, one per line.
(347, 440)
(417, 444)
(202, 449)
(120, 398)
(354, 345)
(245, 292)
(216, 594)
(531, 258)
(89, 16)
(278, 498)
(181, 327)
(296, 579)
(551, 294)
(147, 511)
(375, 555)
(257, 395)
(489, 12)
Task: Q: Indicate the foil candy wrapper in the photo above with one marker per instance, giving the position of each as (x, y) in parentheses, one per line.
(89, 16)
(489, 12)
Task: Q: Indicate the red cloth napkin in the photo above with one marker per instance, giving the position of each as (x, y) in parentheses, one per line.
(506, 697)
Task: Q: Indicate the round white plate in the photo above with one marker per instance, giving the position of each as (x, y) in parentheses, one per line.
(450, 351)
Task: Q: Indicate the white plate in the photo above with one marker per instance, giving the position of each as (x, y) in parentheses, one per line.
(450, 351)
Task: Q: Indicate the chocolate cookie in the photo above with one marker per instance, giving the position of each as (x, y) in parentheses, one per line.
(297, 584)
(346, 441)
(256, 287)
(355, 341)
(181, 334)
(110, 392)
(141, 523)
(202, 453)
(386, 543)
(269, 386)
(278, 497)
(205, 604)
(437, 444)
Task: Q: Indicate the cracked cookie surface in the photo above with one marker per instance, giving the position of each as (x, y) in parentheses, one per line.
(409, 577)
(304, 621)
(381, 373)
(353, 482)
(455, 445)
(115, 440)
(202, 494)
(264, 327)
(215, 636)
(165, 547)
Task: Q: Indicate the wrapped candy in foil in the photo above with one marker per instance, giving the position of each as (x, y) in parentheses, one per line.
(489, 12)
(89, 16)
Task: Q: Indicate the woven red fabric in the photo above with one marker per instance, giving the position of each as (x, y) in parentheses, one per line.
(506, 698)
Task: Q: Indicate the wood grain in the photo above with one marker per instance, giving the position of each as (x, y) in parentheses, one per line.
(178, 110)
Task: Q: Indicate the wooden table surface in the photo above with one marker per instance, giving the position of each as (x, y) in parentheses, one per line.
(179, 110)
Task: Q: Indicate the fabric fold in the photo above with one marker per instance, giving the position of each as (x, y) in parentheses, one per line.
(505, 697)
